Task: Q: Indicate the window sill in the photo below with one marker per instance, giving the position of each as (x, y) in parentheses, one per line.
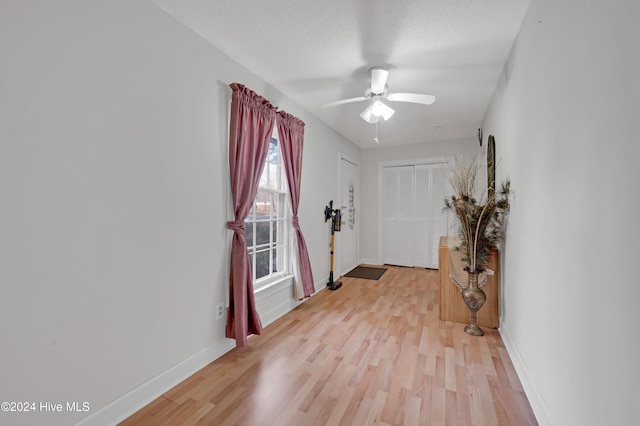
(274, 286)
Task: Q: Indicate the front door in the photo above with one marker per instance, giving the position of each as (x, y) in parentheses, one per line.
(346, 252)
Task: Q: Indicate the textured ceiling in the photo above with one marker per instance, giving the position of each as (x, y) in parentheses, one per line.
(319, 51)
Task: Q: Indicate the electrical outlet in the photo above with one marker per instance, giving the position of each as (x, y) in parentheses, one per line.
(219, 310)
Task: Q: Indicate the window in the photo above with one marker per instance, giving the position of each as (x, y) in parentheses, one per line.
(266, 227)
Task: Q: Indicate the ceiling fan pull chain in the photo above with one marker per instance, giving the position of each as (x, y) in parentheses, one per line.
(376, 138)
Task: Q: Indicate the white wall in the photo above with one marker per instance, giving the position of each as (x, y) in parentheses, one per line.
(113, 203)
(565, 118)
(370, 160)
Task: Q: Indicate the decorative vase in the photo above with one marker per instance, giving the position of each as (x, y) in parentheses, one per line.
(474, 297)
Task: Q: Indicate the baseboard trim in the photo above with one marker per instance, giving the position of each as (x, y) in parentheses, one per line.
(278, 311)
(129, 403)
(370, 261)
(322, 284)
(528, 384)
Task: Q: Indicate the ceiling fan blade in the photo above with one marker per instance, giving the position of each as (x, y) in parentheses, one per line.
(345, 101)
(411, 97)
(378, 79)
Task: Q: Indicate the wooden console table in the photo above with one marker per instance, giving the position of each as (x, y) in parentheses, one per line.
(452, 307)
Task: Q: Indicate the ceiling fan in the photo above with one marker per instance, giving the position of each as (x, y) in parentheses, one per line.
(377, 110)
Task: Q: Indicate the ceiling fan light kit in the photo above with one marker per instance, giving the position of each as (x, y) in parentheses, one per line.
(377, 110)
(381, 109)
(367, 115)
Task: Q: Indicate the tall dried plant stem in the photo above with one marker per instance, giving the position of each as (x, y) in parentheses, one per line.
(475, 240)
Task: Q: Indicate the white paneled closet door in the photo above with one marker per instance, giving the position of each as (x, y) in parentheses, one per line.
(422, 216)
(413, 221)
(430, 221)
(439, 219)
(397, 215)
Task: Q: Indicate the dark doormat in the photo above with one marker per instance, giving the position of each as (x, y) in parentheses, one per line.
(366, 272)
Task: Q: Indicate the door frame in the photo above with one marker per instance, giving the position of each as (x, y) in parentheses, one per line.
(396, 163)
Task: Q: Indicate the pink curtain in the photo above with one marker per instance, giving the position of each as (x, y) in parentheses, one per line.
(252, 121)
(291, 134)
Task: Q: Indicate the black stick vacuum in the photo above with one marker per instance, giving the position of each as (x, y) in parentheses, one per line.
(336, 218)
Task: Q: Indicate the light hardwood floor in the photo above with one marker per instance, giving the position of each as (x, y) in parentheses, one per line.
(370, 353)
